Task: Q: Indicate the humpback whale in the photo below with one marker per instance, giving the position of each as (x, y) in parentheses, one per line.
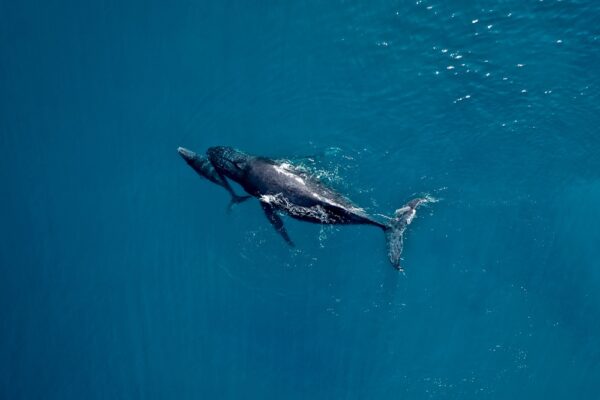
(282, 189)
(204, 168)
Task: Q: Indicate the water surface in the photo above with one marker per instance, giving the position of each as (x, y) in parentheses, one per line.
(122, 276)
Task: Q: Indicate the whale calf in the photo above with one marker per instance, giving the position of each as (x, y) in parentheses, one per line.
(282, 189)
(204, 168)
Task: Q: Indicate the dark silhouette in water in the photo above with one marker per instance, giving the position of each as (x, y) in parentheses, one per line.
(205, 169)
(282, 189)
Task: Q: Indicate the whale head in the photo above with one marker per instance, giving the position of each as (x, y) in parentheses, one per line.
(200, 164)
(189, 156)
(229, 162)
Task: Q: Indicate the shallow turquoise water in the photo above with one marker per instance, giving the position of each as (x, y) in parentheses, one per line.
(122, 276)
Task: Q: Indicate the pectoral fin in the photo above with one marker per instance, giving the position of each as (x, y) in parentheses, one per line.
(235, 199)
(276, 221)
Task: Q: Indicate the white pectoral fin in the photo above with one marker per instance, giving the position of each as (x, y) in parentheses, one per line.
(276, 221)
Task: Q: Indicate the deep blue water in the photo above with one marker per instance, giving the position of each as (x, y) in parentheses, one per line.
(122, 275)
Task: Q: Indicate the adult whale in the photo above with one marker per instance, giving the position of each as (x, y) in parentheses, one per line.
(281, 188)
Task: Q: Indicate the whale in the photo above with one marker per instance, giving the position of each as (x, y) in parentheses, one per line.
(283, 189)
(204, 168)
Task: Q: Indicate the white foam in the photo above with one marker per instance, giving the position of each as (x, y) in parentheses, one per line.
(286, 169)
(280, 201)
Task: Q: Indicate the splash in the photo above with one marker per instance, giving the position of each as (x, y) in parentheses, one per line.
(282, 202)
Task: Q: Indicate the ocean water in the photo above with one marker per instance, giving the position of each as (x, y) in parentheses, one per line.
(122, 276)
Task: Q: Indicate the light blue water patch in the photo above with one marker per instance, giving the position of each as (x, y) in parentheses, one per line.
(123, 276)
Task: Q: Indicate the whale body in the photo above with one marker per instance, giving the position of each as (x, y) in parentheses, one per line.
(283, 189)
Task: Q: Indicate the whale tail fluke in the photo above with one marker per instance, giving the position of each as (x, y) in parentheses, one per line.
(395, 230)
